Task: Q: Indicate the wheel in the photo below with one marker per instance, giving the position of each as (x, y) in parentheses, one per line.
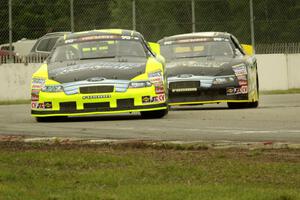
(154, 114)
(237, 105)
(50, 119)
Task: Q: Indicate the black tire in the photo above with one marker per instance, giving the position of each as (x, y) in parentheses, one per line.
(50, 119)
(237, 105)
(154, 114)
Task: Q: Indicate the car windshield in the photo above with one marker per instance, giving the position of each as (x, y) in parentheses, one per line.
(98, 49)
(179, 50)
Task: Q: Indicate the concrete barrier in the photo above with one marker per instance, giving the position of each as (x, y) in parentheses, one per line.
(279, 71)
(276, 72)
(15, 80)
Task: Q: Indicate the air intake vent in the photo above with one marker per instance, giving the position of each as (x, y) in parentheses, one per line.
(96, 106)
(97, 89)
(125, 103)
(184, 84)
(68, 106)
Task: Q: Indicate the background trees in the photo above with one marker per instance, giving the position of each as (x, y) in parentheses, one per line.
(275, 20)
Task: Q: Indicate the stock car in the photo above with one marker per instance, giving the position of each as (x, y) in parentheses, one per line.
(98, 72)
(210, 67)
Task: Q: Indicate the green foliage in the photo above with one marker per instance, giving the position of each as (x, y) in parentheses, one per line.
(275, 20)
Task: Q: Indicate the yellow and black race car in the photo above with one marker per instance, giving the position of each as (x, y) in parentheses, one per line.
(100, 71)
(210, 67)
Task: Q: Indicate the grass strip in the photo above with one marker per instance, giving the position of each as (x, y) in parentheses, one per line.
(62, 171)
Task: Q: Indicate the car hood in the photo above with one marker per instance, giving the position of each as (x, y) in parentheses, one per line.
(70, 72)
(208, 66)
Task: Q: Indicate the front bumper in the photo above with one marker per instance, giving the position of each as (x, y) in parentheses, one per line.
(191, 92)
(134, 100)
(205, 96)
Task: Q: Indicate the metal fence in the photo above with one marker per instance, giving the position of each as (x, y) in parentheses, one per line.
(273, 21)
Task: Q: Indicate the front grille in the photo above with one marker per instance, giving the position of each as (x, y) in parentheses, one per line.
(67, 106)
(96, 106)
(97, 89)
(125, 103)
(184, 84)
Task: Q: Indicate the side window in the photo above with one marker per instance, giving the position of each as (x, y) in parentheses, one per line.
(46, 44)
(237, 45)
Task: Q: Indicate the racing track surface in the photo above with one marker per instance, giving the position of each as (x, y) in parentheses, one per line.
(277, 119)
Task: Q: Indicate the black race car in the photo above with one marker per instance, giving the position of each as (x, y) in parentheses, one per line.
(210, 67)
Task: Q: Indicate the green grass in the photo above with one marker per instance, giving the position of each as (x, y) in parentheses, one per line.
(290, 91)
(42, 171)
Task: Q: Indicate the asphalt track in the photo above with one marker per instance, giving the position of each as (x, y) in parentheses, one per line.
(277, 119)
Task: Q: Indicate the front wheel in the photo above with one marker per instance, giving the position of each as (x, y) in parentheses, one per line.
(154, 114)
(50, 119)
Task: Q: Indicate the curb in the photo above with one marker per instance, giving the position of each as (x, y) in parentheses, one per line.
(177, 145)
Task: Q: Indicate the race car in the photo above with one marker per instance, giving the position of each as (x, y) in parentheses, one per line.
(210, 67)
(97, 72)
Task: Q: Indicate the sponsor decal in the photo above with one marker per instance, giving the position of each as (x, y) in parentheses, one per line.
(159, 89)
(239, 69)
(35, 94)
(236, 91)
(48, 105)
(243, 82)
(96, 97)
(244, 89)
(34, 104)
(155, 99)
(34, 97)
(101, 37)
(242, 78)
(94, 67)
(155, 77)
(184, 90)
(146, 99)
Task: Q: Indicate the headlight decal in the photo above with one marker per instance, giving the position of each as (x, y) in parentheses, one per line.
(139, 84)
(53, 88)
(223, 80)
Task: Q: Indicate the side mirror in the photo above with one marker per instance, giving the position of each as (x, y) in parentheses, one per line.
(248, 49)
(155, 47)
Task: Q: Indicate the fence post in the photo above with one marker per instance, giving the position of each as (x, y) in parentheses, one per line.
(72, 15)
(10, 29)
(133, 15)
(252, 25)
(193, 16)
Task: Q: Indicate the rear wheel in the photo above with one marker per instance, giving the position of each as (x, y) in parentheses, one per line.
(154, 114)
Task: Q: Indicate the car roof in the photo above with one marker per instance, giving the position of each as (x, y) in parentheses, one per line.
(103, 32)
(55, 34)
(195, 35)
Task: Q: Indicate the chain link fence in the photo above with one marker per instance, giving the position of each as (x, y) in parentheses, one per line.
(276, 22)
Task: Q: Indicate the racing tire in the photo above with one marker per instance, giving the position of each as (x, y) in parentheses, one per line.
(50, 119)
(237, 105)
(154, 114)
